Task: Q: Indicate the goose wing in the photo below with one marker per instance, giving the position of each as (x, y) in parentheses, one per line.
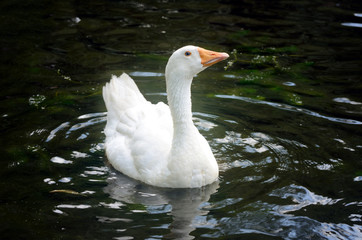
(138, 133)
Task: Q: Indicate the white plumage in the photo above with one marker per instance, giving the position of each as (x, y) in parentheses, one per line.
(155, 143)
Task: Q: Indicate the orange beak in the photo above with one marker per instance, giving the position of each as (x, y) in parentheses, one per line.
(209, 58)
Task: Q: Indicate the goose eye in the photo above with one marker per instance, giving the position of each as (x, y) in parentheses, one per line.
(187, 53)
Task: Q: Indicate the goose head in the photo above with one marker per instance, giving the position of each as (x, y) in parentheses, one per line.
(182, 66)
(188, 61)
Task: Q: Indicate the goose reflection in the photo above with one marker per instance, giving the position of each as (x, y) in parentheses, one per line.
(184, 203)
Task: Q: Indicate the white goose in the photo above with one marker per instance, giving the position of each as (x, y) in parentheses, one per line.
(155, 143)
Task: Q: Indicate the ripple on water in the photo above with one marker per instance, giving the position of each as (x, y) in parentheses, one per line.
(257, 150)
(281, 219)
(94, 119)
(84, 158)
(71, 206)
(60, 160)
(346, 100)
(287, 107)
(250, 152)
(301, 196)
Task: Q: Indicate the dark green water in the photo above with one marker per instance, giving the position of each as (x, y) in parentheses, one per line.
(284, 120)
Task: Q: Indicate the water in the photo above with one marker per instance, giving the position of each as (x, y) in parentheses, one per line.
(284, 119)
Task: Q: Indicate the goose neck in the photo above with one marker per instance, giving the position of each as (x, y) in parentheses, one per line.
(179, 99)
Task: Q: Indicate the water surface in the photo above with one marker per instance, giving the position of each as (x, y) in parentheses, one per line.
(283, 117)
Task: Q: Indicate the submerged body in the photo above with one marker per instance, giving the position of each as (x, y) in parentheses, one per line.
(155, 143)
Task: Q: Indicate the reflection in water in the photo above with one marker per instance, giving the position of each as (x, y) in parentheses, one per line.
(184, 204)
